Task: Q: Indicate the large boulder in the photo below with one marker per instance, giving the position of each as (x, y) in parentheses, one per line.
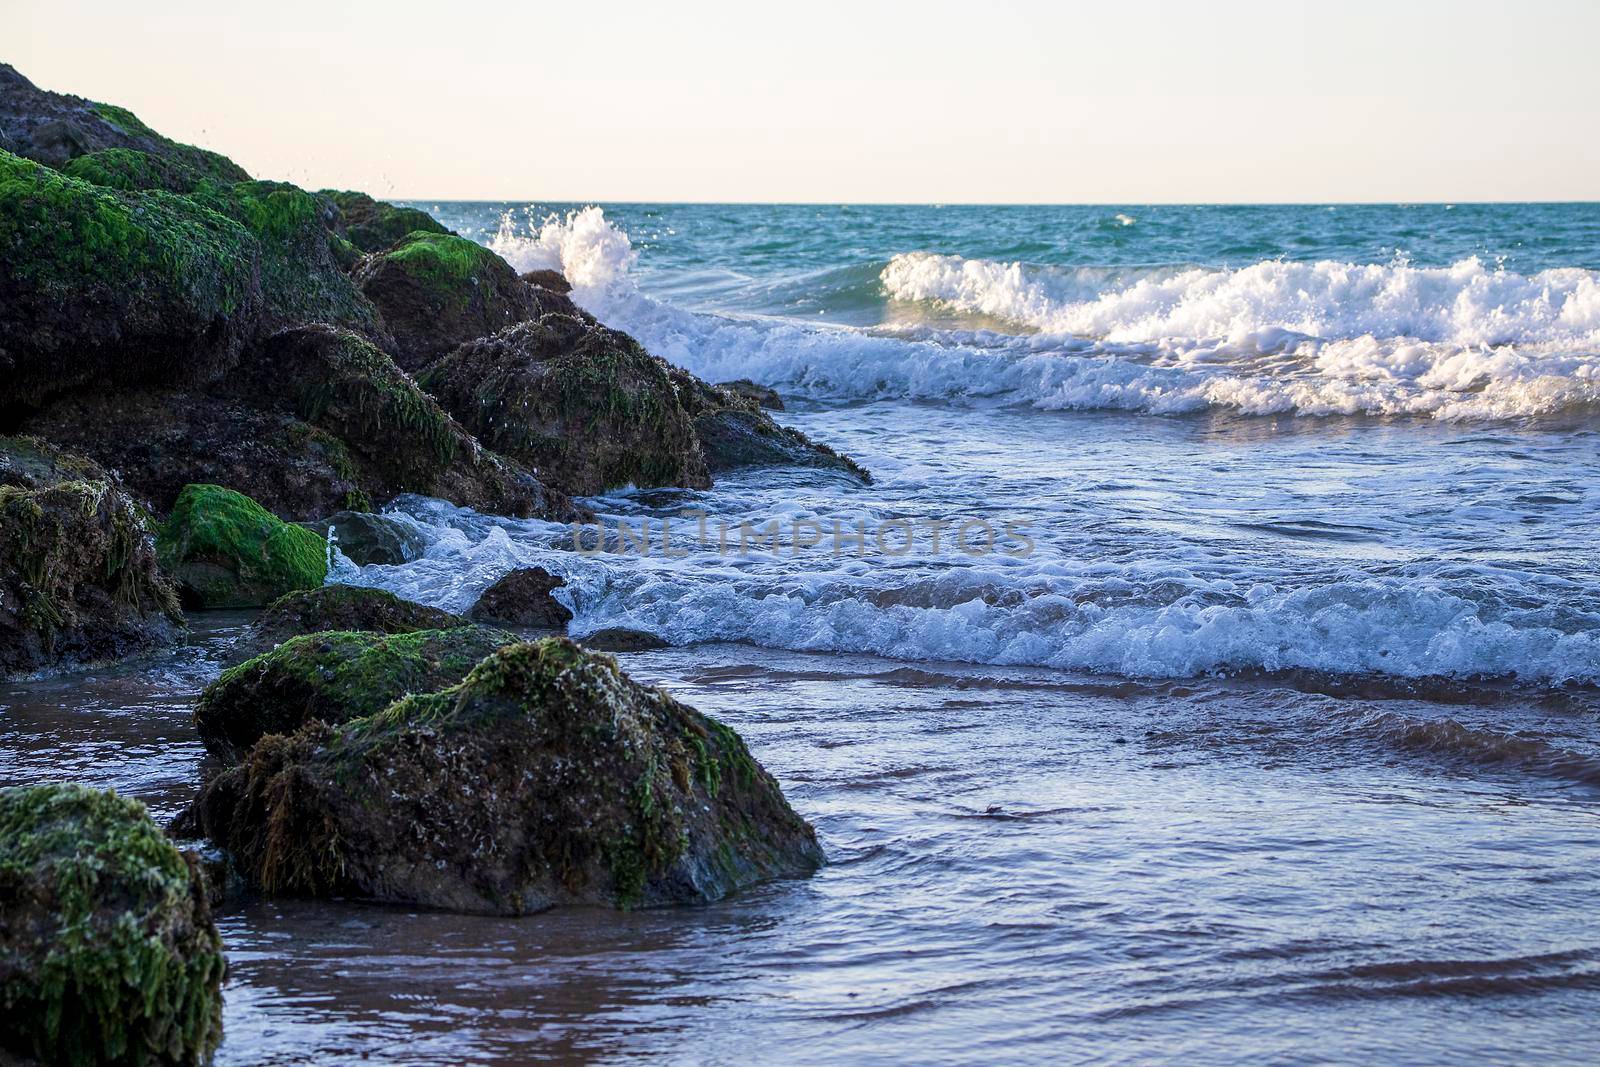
(373, 225)
(545, 777)
(584, 405)
(315, 420)
(332, 677)
(345, 607)
(108, 954)
(55, 129)
(522, 598)
(437, 290)
(227, 551)
(78, 577)
(404, 442)
(764, 395)
(99, 285)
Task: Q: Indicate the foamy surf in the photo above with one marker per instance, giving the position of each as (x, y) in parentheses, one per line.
(1464, 342)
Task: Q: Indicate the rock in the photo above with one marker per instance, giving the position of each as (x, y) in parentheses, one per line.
(552, 280)
(108, 953)
(131, 170)
(545, 777)
(54, 129)
(302, 261)
(78, 577)
(314, 421)
(366, 539)
(734, 432)
(522, 598)
(583, 405)
(98, 285)
(623, 639)
(333, 678)
(436, 291)
(373, 225)
(402, 440)
(345, 607)
(763, 395)
(161, 440)
(227, 551)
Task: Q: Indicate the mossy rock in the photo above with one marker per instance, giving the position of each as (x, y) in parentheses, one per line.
(161, 440)
(131, 170)
(735, 432)
(373, 225)
(332, 677)
(437, 290)
(56, 128)
(401, 439)
(304, 263)
(227, 551)
(79, 582)
(98, 285)
(522, 598)
(583, 405)
(345, 607)
(108, 954)
(545, 777)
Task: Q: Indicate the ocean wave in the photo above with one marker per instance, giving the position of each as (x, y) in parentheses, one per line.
(1464, 342)
(1133, 619)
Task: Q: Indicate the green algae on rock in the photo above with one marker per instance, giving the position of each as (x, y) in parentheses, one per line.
(97, 284)
(227, 551)
(345, 607)
(108, 954)
(373, 225)
(333, 677)
(545, 777)
(79, 581)
(584, 405)
(437, 290)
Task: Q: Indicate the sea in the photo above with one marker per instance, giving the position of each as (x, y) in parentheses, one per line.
(1209, 673)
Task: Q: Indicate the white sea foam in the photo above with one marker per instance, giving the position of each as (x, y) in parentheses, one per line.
(1466, 341)
(1161, 620)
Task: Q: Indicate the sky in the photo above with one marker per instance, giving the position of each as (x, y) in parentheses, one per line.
(931, 102)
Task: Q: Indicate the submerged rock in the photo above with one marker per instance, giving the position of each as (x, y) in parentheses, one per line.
(764, 395)
(545, 777)
(365, 538)
(585, 406)
(227, 551)
(79, 581)
(373, 225)
(522, 598)
(107, 949)
(345, 607)
(623, 639)
(332, 678)
(438, 290)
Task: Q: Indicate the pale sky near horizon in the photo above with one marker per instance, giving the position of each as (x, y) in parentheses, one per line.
(989, 102)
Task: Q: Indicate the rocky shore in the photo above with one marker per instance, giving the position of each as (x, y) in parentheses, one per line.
(203, 377)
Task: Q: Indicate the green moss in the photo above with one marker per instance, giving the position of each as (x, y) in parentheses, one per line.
(201, 161)
(59, 232)
(110, 955)
(444, 265)
(373, 225)
(334, 676)
(229, 551)
(125, 120)
(130, 170)
(380, 402)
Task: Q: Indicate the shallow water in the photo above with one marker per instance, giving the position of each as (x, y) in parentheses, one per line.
(1279, 744)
